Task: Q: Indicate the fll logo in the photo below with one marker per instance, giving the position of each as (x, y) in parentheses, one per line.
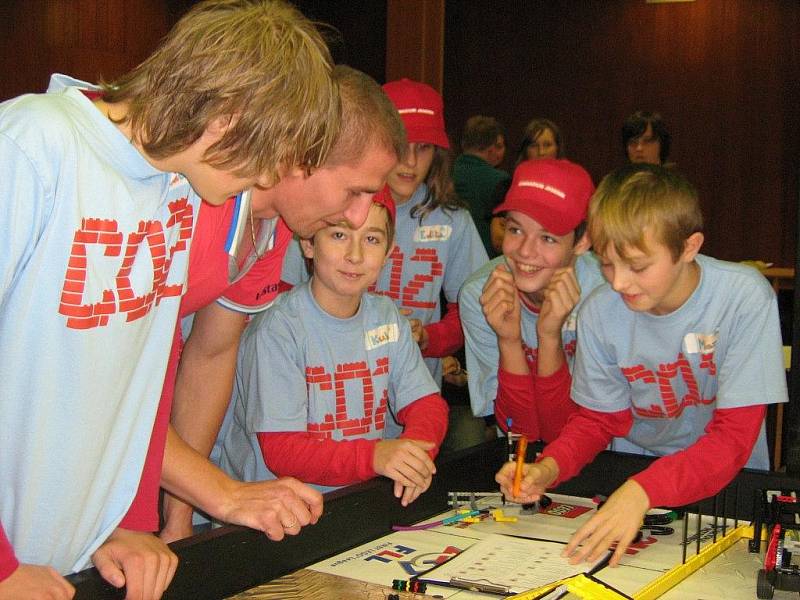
(417, 564)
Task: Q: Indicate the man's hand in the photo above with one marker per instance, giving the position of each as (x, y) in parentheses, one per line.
(536, 478)
(618, 520)
(177, 520)
(137, 560)
(418, 332)
(277, 507)
(408, 463)
(501, 304)
(560, 297)
(32, 582)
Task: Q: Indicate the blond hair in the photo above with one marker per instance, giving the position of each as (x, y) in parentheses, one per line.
(639, 198)
(368, 118)
(260, 65)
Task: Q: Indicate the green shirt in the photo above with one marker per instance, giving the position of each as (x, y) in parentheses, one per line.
(475, 181)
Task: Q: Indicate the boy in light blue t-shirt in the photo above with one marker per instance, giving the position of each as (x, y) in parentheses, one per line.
(324, 369)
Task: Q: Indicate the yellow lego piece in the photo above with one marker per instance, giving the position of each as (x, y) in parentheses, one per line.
(500, 517)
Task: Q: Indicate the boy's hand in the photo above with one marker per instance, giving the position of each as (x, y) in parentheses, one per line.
(30, 582)
(277, 507)
(560, 297)
(418, 331)
(408, 463)
(137, 560)
(501, 304)
(407, 494)
(536, 478)
(452, 372)
(618, 520)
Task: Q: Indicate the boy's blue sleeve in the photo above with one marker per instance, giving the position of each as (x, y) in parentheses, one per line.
(23, 211)
(467, 254)
(752, 371)
(597, 380)
(272, 378)
(294, 265)
(410, 378)
(480, 349)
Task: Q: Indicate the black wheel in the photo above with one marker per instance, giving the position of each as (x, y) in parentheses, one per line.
(764, 588)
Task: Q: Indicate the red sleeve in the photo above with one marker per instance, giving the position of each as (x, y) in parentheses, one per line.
(425, 419)
(708, 465)
(143, 512)
(586, 434)
(538, 407)
(445, 336)
(514, 401)
(324, 462)
(8, 561)
(553, 402)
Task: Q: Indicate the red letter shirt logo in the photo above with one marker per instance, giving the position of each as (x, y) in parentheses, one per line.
(80, 302)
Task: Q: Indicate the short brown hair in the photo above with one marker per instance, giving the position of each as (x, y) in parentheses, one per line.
(639, 198)
(480, 133)
(533, 130)
(259, 63)
(368, 118)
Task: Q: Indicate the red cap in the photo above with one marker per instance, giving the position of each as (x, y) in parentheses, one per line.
(384, 198)
(422, 110)
(554, 192)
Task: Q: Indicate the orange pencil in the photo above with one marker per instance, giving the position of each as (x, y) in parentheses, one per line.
(522, 446)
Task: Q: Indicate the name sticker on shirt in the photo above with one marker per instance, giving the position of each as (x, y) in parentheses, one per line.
(433, 233)
(385, 334)
(694, 343)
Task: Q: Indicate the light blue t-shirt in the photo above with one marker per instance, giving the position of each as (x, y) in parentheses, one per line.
(483, 357)
(301, 369)
(721, 349)
(430, 258)
(93, 263)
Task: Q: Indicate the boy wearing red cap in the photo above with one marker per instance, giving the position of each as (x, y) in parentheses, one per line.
(519, 311)
(319, 371)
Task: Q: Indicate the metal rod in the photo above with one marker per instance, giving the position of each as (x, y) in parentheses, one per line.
(699, 516)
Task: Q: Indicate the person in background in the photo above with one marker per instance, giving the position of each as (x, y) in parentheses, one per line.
(541, 139)
(437, 244)
(321, 370)
(645, 138)
(475, 172)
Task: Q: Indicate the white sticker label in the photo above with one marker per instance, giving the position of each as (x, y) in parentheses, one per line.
(385, 334)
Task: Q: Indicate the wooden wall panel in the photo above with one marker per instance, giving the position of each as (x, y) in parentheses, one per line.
(724, 73)
(93, 38)
(88, 39)
(415, 41)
